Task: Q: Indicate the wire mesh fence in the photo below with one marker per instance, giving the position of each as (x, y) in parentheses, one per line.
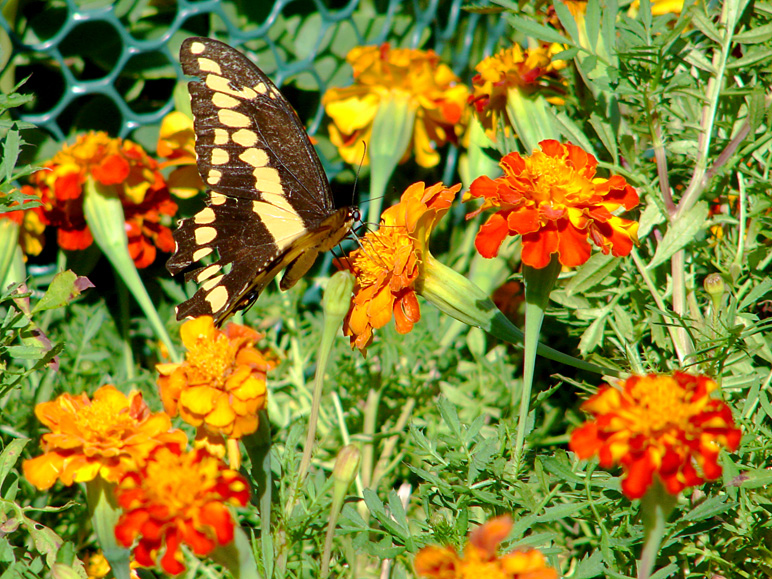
(113, 65)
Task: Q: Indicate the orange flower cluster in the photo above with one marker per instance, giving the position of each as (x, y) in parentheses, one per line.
(658, 424)
(556, 203)
(434, 92)
(117, 167)
(480, 559)
(178, 497)
(390, 262)
(107, 436)
(221, 384)
(510, 68)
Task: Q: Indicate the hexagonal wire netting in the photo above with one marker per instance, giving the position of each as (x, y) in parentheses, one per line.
(113, 65)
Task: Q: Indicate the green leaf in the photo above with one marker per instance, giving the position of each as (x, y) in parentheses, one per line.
(559, 512)
(758, 291)
(755, 34)
(753, 57)
(569, 129)
(10, 154)
(606, 133)
(758, 478)
(595, 270)
(531, 28)
(709, 508)
(9, 457)
(680, 233)
(704, 25)
(64, 288)
(589, 566)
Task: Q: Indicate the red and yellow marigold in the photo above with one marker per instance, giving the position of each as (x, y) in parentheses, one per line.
(105, 436)
(220, 387)
(433, 91)
(511, 69)
(178, 498)
(556, 203)
(658, 425)
(391, 261)
(117, 167)
(481, 560)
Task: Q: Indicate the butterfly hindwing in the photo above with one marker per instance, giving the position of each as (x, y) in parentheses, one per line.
(270, 203)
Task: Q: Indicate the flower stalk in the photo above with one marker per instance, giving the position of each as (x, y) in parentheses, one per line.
(105, 217)
(453, 295)
(335, 303)
(656, 506)
(392, 132)
(538, 285)
(105, 513)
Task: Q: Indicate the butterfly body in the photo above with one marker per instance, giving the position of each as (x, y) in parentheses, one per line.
(270, 205)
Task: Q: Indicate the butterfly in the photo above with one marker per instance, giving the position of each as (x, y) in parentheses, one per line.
(269, 206)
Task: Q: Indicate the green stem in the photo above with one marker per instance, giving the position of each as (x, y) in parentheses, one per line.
(105, 513)
(656, 506)
(390, 138)
(105, 218)
(123, 328)
(538, 285)
(258, 447)
(456, 296)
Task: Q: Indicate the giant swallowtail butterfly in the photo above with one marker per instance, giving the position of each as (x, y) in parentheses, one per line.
(270, 205)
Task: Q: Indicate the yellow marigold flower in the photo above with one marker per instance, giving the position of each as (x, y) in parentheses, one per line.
(659, 7)
(220, 386)
(391, 262)
(433, 91)
(658, 424)
(177, 144)
(480, 559)
(106, 436)
(510, 69)
(178, 497)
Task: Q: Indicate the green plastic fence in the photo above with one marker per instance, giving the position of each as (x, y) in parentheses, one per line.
(113, 65)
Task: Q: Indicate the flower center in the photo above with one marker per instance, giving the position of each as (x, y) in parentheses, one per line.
(662, 405)
(179, 482)
(553, 182)
(211, 359)
(385, 251)
(105, 422)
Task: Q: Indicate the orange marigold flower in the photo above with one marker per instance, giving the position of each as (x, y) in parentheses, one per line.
(31, 225)
(390, 263)
(104, 436)
(178, 497)
(658, 424)
(177, 144)
(481, 560)
(220, 386)
(123, 168)
(511, 68)
(433, 91)
(555, 202)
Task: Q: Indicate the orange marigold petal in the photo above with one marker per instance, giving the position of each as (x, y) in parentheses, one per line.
(491, 235)
(436, 562)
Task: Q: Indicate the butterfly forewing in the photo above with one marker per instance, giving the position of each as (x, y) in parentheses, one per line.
(270, 202)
